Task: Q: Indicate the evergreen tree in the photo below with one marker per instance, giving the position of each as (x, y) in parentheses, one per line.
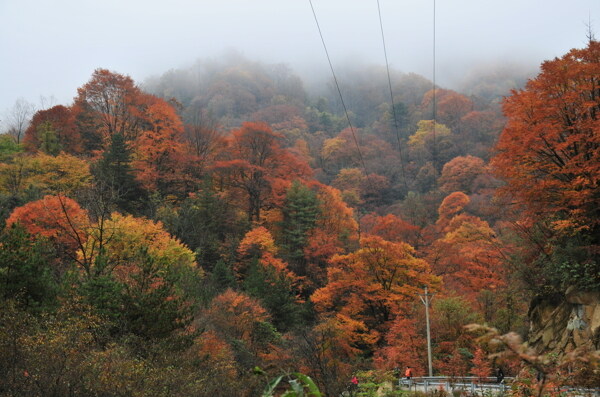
(203, 223)
(114, 172)
(25, 274)
(48, 139)
(276, 294)
(300, 212)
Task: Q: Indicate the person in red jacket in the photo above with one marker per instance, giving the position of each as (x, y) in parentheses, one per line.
(408, 372)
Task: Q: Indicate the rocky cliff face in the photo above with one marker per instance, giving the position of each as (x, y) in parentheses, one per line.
(567, 323)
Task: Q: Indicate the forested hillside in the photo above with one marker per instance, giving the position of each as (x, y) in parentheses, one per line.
(205, 231)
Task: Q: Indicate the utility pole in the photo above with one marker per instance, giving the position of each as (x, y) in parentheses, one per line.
(425, 299)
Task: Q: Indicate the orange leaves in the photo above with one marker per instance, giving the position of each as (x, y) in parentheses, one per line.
(160, 154)
(391, 228)
(459, 174)
(217, 354)
(235, 314)
(452, 205)
(404, 347)
(372, 283)
(258, 244)
(451, 106)
(257, 168)
(481, 365)
(549, 151)
(257, 241)
(57, 218)
(468, 255)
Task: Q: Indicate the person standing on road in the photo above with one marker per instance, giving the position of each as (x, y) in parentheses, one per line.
(408, 372)
(499, 375)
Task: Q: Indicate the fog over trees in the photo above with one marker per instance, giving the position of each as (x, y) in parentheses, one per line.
(208, 225)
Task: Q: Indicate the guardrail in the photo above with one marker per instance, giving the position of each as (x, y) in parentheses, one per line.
(465, 383)
(475, 385)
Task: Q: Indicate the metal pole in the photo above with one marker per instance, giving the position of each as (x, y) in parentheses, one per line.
(426, 303)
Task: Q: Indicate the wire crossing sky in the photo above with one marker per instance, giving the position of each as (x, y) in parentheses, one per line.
(52, 47)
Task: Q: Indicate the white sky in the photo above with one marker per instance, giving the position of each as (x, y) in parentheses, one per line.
(51, 47)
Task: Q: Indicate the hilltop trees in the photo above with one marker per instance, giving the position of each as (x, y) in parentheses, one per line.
(549, 155)
(52, 131)
(241, 229)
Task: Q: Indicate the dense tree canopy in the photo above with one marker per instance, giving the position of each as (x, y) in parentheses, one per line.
(222, 225)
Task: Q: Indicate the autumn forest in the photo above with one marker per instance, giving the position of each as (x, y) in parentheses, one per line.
(207, 230)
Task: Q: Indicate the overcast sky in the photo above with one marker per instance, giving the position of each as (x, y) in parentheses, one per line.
(50, 47)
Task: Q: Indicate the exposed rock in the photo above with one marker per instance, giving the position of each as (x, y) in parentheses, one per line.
(572, 295)
(567, 323)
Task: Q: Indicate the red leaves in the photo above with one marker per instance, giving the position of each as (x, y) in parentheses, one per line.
(57, 218)
(58, 121)
(549, 152)
(255, 166)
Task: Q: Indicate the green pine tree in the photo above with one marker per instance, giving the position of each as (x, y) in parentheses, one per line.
(115, 173)
(300, 212)
(25, 270)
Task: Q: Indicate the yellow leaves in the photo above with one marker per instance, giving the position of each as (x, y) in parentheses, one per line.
(62, 174)
(424, 130)
(332, 146)
(258, 239)
(124, 236)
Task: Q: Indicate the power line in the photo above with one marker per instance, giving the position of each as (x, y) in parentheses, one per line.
(387, 66)
(434, 152)
(362, 161)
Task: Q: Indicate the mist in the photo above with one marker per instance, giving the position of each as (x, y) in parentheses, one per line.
(51, 48)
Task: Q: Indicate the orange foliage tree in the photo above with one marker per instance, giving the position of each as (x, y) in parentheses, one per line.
(107, 104)
(450, 105)
(258, 244)
(404, 347)
(482, 367)
(55, 124)
(459, 174)
(335, 232)
(468, 255)
(549, 151)
(236, 316)
(58, 218)
(392, 228)
(371, 284)
(160, 153)
(255, 165)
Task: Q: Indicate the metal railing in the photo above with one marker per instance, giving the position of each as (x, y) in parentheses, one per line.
(475, 385)
(472, 385)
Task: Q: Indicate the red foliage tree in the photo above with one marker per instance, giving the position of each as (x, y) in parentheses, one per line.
(392, 228)
(58, 218)
(107, 104)
(450, 106)
(459, 174)
(58, 121)
(405, 347)
(481, 364)
(549, 151)
(256, 167)
(161, 155)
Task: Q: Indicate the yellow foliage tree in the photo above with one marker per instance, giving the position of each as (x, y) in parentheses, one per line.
(62, 174)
